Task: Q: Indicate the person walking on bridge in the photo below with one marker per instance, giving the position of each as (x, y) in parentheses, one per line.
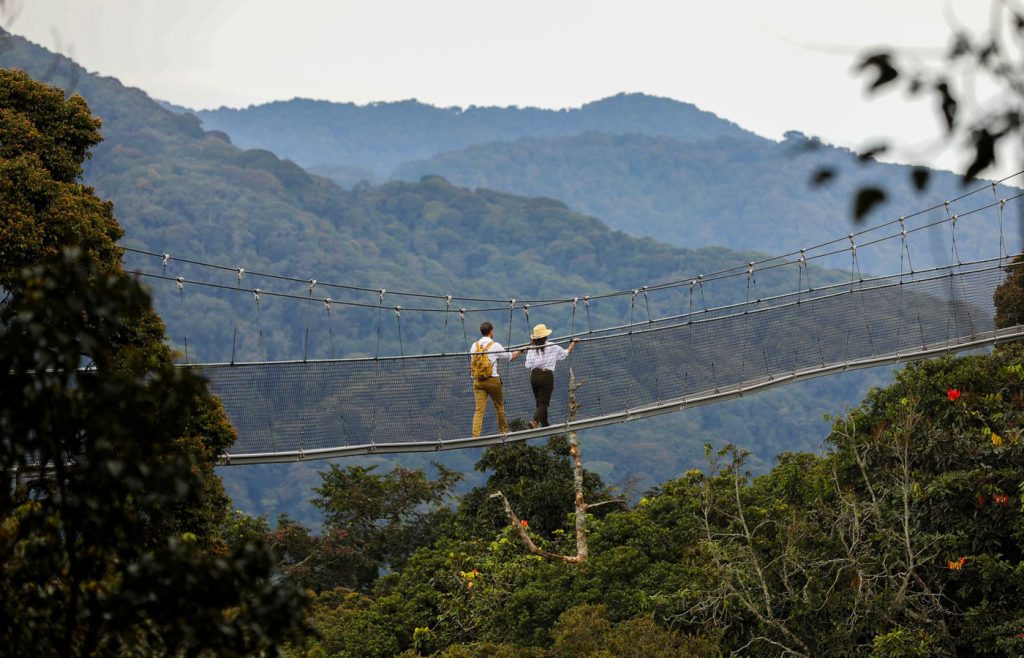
(540, 361)
(483, 366)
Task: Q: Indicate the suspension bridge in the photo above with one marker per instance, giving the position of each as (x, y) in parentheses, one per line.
(682, 354)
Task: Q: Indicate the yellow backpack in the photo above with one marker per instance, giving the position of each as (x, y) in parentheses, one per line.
(480, 364)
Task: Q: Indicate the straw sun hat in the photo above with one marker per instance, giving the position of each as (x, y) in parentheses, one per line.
(540, 331)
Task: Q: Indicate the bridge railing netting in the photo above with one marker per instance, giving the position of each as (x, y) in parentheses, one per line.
(299, 409)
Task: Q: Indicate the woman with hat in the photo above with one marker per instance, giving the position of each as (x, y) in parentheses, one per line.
(540, 361)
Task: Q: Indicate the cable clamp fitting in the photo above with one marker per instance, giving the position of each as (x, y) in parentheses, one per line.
(803, 257)
(167, 259)
(586, 301)
(181, 283)
(256, 293)
(853, 245)
(574, 300)
(380, 294)
(398, 311)
(462, 313)
(312, 284)
(1002, 203)
(447, 301)
(240, 272)
(953, 219)
(750, 269)
(511, 303)
(327, 303)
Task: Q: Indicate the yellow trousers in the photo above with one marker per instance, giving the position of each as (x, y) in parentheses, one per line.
(483, 389)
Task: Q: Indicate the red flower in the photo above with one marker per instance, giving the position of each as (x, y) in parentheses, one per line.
(953, 394)
(981, 499)
(524, 523)
(1001, 499)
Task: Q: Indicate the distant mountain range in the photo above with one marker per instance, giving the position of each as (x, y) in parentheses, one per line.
(650, 166)
(378, 137)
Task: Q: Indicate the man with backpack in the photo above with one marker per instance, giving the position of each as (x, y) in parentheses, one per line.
(483, 366)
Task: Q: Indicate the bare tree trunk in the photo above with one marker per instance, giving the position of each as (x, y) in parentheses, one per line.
(582, 550)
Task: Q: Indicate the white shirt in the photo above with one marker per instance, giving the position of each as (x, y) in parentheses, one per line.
(535, 358)
(494, 352)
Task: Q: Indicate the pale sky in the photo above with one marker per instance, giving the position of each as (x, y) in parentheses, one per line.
(768, 65)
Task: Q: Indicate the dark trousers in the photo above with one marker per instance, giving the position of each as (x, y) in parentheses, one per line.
(543, 383)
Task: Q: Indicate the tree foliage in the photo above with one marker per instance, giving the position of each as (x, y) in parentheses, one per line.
(92, 564)
(537, 482)
(1009, 296)
(110, 530)
(380, 520)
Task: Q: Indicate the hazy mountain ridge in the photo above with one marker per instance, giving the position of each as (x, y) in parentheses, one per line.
(744, 193)
(380, 136)
(650, 166)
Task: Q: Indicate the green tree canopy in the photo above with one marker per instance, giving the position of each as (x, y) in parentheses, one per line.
(383, 518)
(110, 539)
(91, 563)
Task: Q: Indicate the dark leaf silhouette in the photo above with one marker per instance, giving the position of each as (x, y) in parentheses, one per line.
(882, 64)
(949, 104)
(867, 198)
(822, 176)
(961, 46)
(988, 52)
(919, 177)
(869, 154)
(984, 152)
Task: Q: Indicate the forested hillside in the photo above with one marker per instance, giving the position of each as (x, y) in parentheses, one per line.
(179, 189)
(350, 141)
(748, 194)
